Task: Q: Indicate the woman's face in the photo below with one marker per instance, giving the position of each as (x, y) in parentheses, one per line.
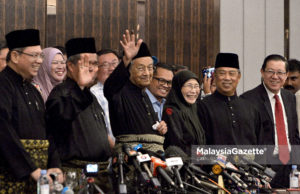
(190, 91)
(58, 68)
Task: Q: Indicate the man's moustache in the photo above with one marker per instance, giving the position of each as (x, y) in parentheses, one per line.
(289, 87)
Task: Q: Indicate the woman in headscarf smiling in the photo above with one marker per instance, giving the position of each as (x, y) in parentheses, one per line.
(180, 114)
(51, 73)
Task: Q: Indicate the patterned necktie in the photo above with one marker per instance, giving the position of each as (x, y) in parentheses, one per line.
(283, 149)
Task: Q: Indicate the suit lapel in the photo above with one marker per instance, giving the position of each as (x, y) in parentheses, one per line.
(287, 110)
(267, 103)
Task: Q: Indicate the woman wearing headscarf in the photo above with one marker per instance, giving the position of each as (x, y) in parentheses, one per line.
(51, 73)
(180, 113)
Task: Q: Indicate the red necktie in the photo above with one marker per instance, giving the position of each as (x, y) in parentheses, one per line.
(283, 149)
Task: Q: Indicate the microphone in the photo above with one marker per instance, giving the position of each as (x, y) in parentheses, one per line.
(122, 185)
(144, 159)
(177, 151)
(199, 182)
(250, 160)
(67, 190)
(217, 169)
(159, 154)
(132, 157)
(174, 164)
(157, 167)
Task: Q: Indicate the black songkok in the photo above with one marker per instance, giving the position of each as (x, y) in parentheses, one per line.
(143, 51)
(227, 60)
(80, 45)
(22, 38)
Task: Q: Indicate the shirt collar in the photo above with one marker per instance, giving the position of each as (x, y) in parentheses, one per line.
(152, 98)
(225, 98)
(271, 94)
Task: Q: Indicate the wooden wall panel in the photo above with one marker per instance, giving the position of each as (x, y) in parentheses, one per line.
(176, 31)
(21, 14)
(183, 31)
(105, 20)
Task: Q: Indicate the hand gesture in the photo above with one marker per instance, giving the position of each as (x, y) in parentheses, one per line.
(162, 128)
(36, 174)
(207, 84)
(85, 75)
(130, 47)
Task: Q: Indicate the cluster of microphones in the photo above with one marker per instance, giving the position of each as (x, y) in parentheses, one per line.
(173, 172)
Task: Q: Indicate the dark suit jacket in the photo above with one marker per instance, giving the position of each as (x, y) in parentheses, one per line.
(259, 97)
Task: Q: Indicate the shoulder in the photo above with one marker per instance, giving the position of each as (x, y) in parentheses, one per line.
(287, 93)
(253, 92)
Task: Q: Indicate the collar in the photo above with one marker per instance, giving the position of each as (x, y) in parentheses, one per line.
(11, 73)
(224, 98)
(152, 98)
(271, 94)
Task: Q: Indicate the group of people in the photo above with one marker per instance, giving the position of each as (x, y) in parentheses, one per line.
(62, 112)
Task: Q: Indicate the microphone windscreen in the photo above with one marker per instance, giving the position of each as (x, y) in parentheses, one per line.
(175, 151)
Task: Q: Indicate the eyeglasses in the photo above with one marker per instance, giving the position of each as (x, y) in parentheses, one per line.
(58, 62)
(191, 86)
(223, 74)
(272, 73)
(143, 68)
(106, 65)
(162, 81)
(34, 55)
(94, 63)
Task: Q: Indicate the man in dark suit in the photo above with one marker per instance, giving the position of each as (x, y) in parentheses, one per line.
(279, 118)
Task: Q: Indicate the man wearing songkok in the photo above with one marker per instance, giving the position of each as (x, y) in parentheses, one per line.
(133, 119)
(227, 119)
(23, 139)
(75, 119)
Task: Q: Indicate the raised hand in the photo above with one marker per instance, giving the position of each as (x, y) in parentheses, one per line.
(130, 47)
(85, 76)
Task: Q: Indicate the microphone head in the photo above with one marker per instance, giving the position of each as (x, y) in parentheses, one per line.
(155, 162)
(129, 151)
(175, 151)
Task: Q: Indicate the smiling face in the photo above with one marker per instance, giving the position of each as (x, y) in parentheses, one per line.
(141, 71)
(161, 83)
(107, 64)
(25, 64)
(190, 91)
(274, 75)
(58, 68)
(227, 79)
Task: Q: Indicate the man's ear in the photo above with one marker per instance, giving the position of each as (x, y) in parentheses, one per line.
(70, 66)
(14, 57)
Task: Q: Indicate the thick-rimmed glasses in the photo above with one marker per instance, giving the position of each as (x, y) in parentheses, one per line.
(162, 81)
(33, 55)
